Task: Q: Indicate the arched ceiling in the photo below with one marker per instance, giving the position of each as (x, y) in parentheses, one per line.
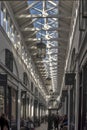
(50, 21)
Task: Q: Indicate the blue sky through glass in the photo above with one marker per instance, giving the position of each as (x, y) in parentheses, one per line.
(47, 24)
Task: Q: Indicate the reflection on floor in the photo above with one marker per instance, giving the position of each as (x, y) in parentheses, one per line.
(42, 127)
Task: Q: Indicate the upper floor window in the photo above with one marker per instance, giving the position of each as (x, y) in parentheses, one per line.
(32, 86)
(9, 60)
(2, 17)
(25, 78)
(36, 91)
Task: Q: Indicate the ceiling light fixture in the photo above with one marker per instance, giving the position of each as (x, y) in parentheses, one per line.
(41, 47)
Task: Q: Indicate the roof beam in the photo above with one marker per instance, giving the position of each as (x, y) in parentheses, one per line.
(27, 8)
(52, 2)
(37, 9)
(51, 39)
(42, 16)
(51, 8)
(19, 3)
(50, 29)
(28, 23)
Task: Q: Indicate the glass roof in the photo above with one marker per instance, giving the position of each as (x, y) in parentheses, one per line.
(44, 13)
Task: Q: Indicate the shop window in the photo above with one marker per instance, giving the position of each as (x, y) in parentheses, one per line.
(6, 26)
(36, 92)
(27, 107)
(1, 99)
(13, 109)
(23, 105)
(8, 108)
(9, 60)
(2, 17)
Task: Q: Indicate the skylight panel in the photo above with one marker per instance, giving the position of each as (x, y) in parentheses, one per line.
(47, 29)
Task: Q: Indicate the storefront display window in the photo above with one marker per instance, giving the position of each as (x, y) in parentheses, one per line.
(27, 107)
(13, 108)
(1, 99)
(9, 104)
(14, 99)
(23, 104)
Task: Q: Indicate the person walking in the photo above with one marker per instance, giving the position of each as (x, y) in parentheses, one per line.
(50, 121)
(56, 121)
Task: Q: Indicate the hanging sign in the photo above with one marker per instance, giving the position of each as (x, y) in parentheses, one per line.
(3, 79)
(69, 78)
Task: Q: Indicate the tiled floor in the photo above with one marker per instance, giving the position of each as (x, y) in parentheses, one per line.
(42, 127)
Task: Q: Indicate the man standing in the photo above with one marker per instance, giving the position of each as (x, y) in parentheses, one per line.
(50, 121)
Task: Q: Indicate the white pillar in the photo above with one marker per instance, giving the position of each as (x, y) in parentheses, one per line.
(19, 109)
(77, 97)
(30, 106)
(37, 110)
(32, 109)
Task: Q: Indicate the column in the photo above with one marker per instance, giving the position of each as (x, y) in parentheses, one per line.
(32, 109)
(19, 109)
(27, 107)
(77, 97)
(30, 106)
(37, 110)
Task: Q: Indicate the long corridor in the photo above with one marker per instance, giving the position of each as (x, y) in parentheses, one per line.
(43, 64)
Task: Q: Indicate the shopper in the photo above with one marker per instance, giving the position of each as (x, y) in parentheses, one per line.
(50, 121)
(64, 123)
(56, 121)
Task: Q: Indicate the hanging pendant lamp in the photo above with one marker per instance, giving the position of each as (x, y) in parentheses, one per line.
(41, 47)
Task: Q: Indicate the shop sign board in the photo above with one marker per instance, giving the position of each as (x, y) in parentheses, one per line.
(70, 78)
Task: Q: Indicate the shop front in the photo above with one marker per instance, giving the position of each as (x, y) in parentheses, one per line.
(83, 99)
(8, 101)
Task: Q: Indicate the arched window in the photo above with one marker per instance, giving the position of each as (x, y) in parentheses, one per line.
(25, 78)
(9, 59)
(32, 86)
